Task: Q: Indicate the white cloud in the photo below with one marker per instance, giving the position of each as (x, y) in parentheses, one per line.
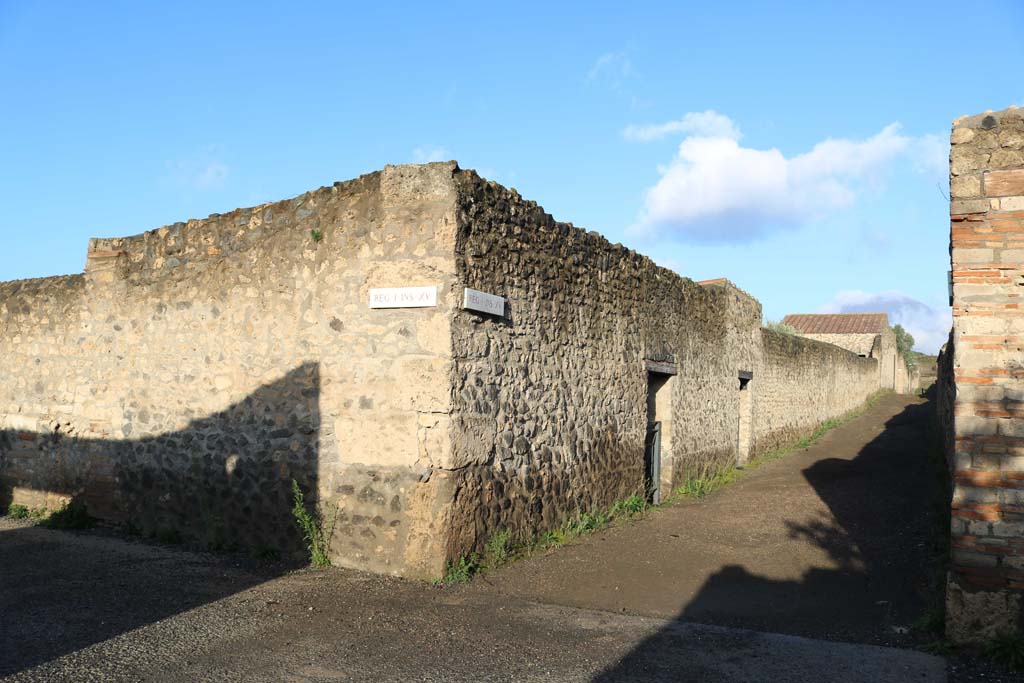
(717, 190)
(204, 170)
(930, 154)
(708, 124)
(211, 176)
(929, 327)
(428, 153)
(611, 68)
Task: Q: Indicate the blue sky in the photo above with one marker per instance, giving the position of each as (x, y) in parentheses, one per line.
(796, 148)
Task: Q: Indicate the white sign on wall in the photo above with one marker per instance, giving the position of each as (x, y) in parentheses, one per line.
(476, 300)
(403, 297)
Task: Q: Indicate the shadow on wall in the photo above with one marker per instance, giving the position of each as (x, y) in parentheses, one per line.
(223, 482)
(882, 537)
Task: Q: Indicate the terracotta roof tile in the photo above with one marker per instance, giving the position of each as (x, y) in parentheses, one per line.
(838, 323)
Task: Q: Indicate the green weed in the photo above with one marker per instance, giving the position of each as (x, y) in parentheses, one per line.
(1007, 649)
(628, 507)
(502, 548)
(316, 235)
(698, 487)
(498, 549)
(15, 511)
(932, 621)
(316, 537)
(463, 570)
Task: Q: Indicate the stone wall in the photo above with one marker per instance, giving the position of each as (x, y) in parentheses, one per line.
(549, 414)
(550, 401)
(861, 344)
(803, 383)
(195, 370)
(987, 256)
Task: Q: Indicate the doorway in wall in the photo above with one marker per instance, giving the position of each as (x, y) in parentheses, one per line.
(746, 418)
(659, 434)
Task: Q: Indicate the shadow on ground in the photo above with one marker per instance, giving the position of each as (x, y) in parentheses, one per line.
(886, 505)
(222, 481)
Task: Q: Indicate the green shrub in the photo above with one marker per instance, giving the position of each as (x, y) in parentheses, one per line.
(17, 511)
(463, 570)
(1008, 650)
(498, 549)
(781, 328)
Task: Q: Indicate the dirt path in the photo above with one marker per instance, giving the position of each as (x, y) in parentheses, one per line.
(89, 606)
(832, 542)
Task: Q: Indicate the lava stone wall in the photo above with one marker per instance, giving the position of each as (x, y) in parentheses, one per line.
(194, 371)
(549, 404)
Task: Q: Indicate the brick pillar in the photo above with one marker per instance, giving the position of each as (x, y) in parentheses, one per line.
(986, 184)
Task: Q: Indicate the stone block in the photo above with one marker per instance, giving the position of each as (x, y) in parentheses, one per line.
(1012, 138)
(968, 206)
(964, 186)
(961, 135)
(976, 616)
(1011, 256)
(1012, 204)
(965, 159)
(1006, 159)
(963, 256)
(1004, 183)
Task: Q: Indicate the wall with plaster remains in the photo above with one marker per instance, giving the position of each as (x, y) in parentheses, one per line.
(194, 371)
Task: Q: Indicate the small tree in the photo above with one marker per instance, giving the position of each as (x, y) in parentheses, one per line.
(905, 346)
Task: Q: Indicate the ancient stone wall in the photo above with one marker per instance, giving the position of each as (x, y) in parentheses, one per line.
(549, 412)
(194, 371)
(987, 256)
(550, 401)
(803, 383)
(861, 344)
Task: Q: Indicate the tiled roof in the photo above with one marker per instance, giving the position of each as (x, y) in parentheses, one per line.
(838, 323)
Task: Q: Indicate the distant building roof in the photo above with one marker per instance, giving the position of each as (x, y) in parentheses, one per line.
(838, 323)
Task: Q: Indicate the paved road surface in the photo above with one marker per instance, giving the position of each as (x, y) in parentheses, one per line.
(809, 546)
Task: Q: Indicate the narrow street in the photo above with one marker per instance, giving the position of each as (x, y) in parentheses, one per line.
(800, 571)
(830, 542)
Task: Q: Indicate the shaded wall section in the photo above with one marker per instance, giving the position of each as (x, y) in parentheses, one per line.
(223, 480)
